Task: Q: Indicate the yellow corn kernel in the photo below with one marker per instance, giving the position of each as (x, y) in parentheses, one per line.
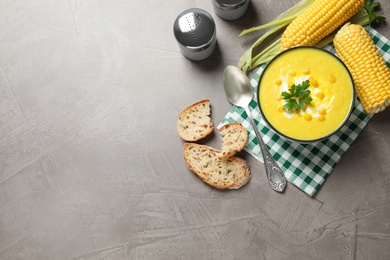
(369, 71)
(308, 117)
(320, 95)
(332, 78)
(280, 109)
(313, 82)
(279, 97)
(318, 21)
(278, 81)
(292, 73)
(291, 82)
(306, 71)
(322, 111)
(321, 118)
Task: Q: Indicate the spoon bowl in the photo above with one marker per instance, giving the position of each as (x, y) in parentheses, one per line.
(237, 87)
(239, 92)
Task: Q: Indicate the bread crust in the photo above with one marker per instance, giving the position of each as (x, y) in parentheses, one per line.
(246, 176)
(229, 173)
(194, 122)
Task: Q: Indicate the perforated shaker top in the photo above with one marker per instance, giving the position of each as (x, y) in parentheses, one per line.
(194, 28)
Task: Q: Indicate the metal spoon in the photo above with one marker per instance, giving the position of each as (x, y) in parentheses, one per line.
(239, 92)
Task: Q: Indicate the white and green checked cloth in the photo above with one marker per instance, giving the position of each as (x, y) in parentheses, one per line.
(305, 165)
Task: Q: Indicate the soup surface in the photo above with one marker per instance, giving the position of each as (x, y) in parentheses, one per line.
(331, 90)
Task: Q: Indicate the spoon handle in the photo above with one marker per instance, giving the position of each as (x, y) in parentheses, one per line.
(275, 176)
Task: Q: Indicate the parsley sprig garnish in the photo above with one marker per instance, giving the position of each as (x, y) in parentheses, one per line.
(297, 97)
(373, 17)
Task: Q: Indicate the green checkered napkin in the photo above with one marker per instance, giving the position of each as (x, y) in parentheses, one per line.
(305, 165)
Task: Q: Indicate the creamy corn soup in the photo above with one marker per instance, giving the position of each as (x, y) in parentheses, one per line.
(331, 90)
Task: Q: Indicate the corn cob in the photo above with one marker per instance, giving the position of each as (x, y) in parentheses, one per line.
(369, 71)
(320, 19)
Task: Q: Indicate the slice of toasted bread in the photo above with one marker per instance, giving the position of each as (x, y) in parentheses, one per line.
(194, 122)
(234, 139)
(230, 173)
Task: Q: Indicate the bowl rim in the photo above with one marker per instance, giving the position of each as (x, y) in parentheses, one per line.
(307, 141)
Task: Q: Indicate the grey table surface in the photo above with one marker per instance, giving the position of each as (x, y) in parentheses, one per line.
(91, 165)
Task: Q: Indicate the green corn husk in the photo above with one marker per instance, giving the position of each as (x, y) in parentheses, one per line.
(280, 22)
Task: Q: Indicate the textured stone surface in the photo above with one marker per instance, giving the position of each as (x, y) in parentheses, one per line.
(91, 166)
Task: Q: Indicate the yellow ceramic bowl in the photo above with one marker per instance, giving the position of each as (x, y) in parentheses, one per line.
(331, 89)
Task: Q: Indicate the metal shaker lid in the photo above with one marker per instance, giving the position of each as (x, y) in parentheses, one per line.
(194, 28)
